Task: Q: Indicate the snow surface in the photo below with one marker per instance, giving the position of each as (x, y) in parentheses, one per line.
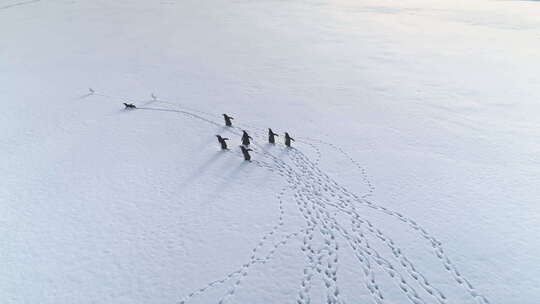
(414, 177)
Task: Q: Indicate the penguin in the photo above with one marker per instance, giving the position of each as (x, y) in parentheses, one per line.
(246, 138)
(129, 106)
(271, 138)
(222, 141)
(288, 139)
(245, 151)
(228, 119)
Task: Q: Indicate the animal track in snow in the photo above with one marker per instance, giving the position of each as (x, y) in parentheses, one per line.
(333, 222)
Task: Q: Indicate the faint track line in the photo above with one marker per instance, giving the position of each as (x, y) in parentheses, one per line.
(18, 4)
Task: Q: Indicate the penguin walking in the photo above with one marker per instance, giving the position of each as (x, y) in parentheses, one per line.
(129, 106)
(271, 138)
(228, 119)
(288, 139)
(246, 138)
(222, 141)
(245, 151)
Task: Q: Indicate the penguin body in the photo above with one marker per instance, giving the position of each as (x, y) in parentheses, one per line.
(228, 119)
(271, 136)
(245, 152)
(223, 142)
(288, 139)
(246, 138)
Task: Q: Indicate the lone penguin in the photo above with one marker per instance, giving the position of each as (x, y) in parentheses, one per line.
(271, 138)
(129, 106)
(245, 138)
(245, 151)
(222, 141)
(228, 119)
(288, 139)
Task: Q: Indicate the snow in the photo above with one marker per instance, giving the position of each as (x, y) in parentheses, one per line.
(416, 153)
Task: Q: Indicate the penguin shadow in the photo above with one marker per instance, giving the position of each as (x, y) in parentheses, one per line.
(84, 96)
(228, 179)
(284, 151)
(230, 130)
(205, 165)
(122, 111)
(202, 168)
(266, 147)
(233, 174)
(241, 165)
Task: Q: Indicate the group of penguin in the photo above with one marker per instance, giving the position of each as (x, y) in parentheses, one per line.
(246, 139)
(245, 136)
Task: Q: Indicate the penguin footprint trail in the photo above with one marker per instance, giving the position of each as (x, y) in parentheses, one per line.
(334, 221)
